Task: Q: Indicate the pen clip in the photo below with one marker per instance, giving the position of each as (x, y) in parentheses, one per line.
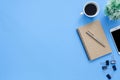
(90, 33)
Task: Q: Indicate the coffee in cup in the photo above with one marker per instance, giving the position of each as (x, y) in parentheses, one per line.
(90, 9)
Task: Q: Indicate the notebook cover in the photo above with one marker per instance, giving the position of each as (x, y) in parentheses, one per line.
(93, 48)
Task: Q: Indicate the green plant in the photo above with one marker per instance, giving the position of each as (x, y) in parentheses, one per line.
(112, 9)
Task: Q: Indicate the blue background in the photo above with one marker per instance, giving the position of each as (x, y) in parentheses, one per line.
(38, 41)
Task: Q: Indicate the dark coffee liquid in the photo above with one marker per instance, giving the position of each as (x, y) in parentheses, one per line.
(90, 9)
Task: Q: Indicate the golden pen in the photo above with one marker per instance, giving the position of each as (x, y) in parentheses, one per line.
(95, 38)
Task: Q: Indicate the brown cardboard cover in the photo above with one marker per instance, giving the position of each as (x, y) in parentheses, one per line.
(94, 49)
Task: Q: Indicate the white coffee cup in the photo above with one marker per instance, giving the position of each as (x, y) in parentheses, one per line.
(90, 9)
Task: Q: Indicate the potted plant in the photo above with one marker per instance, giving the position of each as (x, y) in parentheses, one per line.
(112, 9)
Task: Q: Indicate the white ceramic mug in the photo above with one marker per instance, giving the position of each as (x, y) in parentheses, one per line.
(97, 8)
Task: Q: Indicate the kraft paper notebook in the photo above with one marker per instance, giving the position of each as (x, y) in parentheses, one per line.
(93, 48)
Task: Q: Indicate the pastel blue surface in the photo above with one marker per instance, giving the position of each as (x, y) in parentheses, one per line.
(38, 41)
